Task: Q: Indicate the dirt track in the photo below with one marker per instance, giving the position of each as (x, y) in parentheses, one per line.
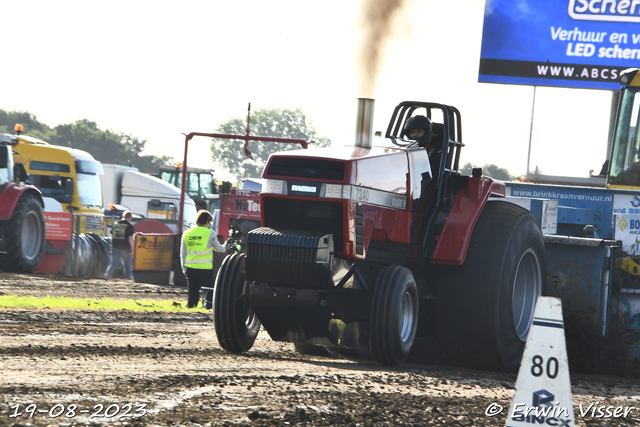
(167, 369)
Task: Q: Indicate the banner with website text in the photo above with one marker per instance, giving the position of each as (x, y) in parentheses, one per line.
(562, 43)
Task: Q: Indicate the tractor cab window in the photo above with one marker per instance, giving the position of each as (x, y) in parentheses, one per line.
(89, 186)
(420, 172)
(6, 164)
(198, 184)
(171, 177)
(193, 184)
(206, 184)
(625, 158)
(89, 190)
(4, 176)
(52, 186)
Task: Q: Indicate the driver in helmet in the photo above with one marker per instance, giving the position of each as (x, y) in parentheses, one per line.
(418, 128)
(422, 130)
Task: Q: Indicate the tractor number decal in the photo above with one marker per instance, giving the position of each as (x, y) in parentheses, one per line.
(361, 194)
(378, 198)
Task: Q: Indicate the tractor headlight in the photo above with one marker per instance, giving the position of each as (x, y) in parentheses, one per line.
(346, 192)
(274, 186)
(336, 191)
(333, 191)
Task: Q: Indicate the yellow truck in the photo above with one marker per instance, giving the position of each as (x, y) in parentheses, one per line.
(68, 178)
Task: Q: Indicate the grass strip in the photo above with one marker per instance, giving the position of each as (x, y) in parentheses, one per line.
(66, 303)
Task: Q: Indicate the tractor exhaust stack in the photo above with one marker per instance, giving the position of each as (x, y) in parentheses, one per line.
(364, 122)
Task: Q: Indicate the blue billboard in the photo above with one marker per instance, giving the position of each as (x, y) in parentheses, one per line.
(563, 43)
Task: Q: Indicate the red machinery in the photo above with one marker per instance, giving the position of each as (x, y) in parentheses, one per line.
(22, 221)
(246, 138)
(366, 247)
(239, 209)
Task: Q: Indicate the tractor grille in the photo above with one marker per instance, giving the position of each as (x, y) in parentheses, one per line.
(359, 230)
(307, 215)
(306, 168)
(93, 223)
(287, 258)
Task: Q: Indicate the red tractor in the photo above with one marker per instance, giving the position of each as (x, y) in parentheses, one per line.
(22, 221)
(386, 250)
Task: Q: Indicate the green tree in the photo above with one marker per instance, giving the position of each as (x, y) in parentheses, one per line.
(106, 146)
(33, 127)
(280, 123)
(490, 170)
(151, 164)
(86, 135)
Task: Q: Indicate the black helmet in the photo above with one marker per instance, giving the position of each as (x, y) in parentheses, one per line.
(419, 122)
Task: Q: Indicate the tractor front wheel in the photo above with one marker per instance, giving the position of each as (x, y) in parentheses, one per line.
(236, 324)
(394, 315)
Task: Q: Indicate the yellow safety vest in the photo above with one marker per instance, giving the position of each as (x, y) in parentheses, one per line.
(199, 252)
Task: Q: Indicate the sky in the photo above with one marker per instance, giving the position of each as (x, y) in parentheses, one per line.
(159, 69)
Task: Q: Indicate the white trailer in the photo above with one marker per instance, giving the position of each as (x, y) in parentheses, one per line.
(145, 195)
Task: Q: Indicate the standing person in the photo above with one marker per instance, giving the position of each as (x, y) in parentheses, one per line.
(196, 256)
(121, 247)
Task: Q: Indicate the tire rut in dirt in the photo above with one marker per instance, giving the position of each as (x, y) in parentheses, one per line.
(52, 317)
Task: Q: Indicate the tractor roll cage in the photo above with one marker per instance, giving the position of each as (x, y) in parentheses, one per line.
(451, 147)
(452, 130)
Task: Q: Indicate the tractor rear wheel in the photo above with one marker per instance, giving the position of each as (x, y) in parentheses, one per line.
(24, 236)
(394, 315)
(486, 305)
(236, 324)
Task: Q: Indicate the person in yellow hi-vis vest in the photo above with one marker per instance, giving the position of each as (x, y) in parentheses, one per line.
(196, 255)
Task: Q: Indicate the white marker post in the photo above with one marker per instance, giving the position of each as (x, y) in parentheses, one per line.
(543, 388)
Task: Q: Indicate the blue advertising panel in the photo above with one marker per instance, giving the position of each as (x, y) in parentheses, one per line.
(563, 43)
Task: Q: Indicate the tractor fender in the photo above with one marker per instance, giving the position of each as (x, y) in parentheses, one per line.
(10, 196)
(453, 242)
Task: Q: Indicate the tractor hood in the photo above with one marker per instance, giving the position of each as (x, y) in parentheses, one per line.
(381, 168)
(346, 153)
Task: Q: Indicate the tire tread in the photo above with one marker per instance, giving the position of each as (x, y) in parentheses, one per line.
(14, 260)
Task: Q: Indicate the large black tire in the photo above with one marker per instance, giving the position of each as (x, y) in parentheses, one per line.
(236, 324)
(24, 236)
(394, 315)
(486, 305)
